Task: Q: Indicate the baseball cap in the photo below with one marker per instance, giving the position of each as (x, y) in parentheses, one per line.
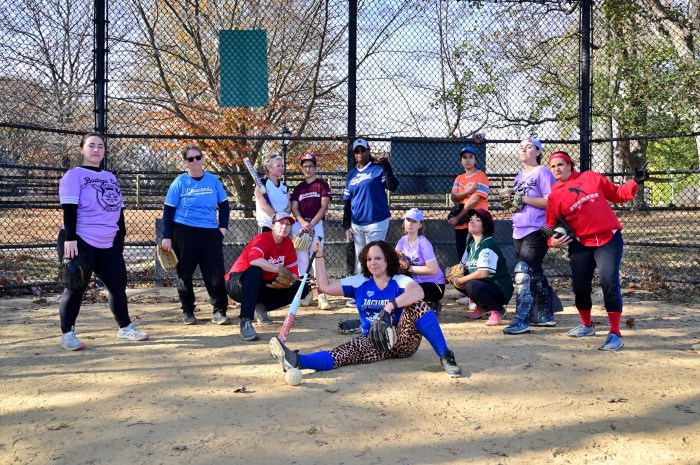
(467, 149)
(360, 143)
(534, 142)
(564, 156)
(414, 214)
(308, 156)
(282, 215)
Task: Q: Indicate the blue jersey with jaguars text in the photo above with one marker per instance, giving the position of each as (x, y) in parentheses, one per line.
(370, 299)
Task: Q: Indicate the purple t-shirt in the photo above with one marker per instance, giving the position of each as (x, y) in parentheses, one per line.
(537, 183)
(419, 254)
(99, 201)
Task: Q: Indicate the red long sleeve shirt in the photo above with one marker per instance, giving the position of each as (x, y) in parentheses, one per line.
(263, 246)
(582, 201)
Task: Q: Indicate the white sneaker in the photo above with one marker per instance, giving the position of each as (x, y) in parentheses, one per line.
(467, 301)
(306, 301)
(70, 342)
(323, 303)
(351, 303)
(130, 333)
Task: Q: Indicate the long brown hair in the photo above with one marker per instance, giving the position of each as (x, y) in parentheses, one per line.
(390, 256)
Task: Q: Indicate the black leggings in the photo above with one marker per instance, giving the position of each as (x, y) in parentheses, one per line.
(607, 258)
(248, 288)
(108, 265)
(433, 292)
(532, 249)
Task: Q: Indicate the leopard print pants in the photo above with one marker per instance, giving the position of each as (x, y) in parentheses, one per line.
(408, 339)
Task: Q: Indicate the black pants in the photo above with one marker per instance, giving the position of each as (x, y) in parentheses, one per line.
(462, 239)
(607, 258)
(433, 292)
(108, 265)
(203, 247)
(532, 249)
(486, 294)
(248, 288)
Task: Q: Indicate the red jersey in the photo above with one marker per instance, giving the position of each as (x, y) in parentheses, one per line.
(263, 246)
(582, 201)
(309, 196)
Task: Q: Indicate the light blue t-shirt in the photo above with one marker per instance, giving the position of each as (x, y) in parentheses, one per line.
(196, 201)
(365, 190)
(370, 299)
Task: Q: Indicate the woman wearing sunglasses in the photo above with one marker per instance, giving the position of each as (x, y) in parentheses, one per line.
(193, 230)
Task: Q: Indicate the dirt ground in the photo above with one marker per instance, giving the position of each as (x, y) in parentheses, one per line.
(200, 395)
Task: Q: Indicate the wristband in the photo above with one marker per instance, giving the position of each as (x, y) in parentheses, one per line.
(393, 302)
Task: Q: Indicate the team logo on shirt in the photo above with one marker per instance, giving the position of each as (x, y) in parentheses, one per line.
(370, 293)
(109, 196)
(199, 190)
(578, 191)
(359, 178)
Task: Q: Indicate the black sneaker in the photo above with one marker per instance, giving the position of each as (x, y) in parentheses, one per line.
(247, 331)
(287, 358)
(450, 365)
(189, 318)
(350, 326)
(437, 307)
(220, 318)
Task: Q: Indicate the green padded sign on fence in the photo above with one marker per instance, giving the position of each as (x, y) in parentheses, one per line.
(243, 73)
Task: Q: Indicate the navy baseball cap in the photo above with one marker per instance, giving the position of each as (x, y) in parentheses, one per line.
(467, 149)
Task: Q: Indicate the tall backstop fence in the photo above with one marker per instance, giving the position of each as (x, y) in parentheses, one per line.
(613, 83)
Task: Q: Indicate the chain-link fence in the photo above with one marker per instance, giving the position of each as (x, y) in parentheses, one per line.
(426, 76)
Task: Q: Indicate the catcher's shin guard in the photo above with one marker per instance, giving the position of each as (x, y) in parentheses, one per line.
(524, 298)
(543, 314)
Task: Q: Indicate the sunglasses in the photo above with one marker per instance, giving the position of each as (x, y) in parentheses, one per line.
(191, 159)
(360, 150)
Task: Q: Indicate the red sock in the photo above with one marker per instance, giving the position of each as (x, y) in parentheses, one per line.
(614, 318)
(585, 317)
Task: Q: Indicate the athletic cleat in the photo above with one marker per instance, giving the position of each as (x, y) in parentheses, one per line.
(613, 343)
(247, 331)
(495, 318)
(220, 318)
(70, 342)
(323, 303)
(517, 326)
(261, 315)
(350, 327)
(130, 333)
(189, 318)
(286, 357)
(582, 331)
(450, 365)
(478, 313)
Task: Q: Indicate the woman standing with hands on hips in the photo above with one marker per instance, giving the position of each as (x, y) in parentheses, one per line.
(191, 228)
(93, 227)
(578, 203)
(387, 303)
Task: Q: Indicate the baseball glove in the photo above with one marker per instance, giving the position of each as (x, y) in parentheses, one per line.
(456, 211)
(350, 326)
(561, 228)
(404, 264)
(167, 258)
(382, 334)
(284, 279)
(453, 273)
(302, 240)
(75, 273)
(511, 199)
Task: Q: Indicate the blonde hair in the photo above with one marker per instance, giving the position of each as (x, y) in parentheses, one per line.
(267, 162)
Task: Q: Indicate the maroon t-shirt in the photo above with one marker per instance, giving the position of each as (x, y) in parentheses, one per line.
(309, 196)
